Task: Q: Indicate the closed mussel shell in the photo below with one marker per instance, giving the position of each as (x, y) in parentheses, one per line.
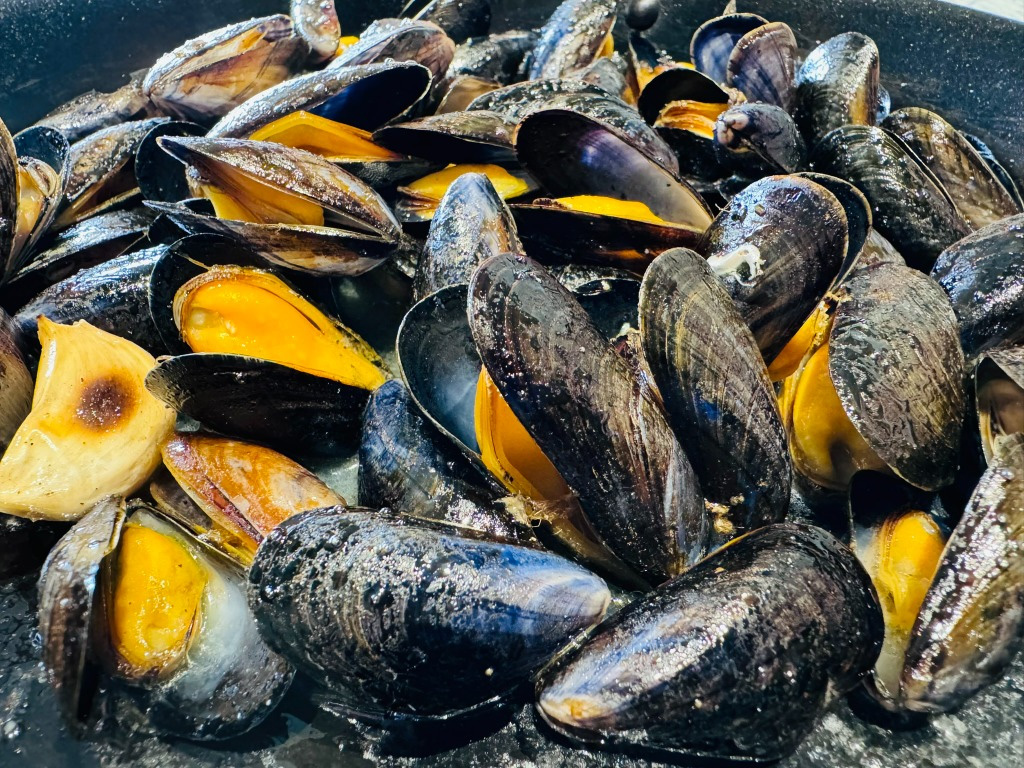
(385, 40)
(972, 621)
(912, 209)
(987, 265)
(441, 625)
(763, 65)
(999, 395)
(477, 136)
(585, 408)
(513, 102)
(716, 392)
(572, 38)
(736, 658)
(978, 193)
(838, 85)
(472, 222)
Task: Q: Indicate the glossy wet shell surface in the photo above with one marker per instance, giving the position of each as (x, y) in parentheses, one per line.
(736, 658)
(402, 620)
(896, 364)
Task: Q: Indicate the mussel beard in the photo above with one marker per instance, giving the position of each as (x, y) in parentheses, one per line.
(236, 310)
(93, 430)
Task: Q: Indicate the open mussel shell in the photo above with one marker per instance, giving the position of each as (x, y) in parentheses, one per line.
(93, 241)
(103, 170)
(990, 264)
(407, 465)
(899, 541)
(208, 76)
(365, 96)
(458, 622)
(227, 682)
(242, 491)
(763, 65)
(978, 193)
(585, 408)
(384, 40)
(159, 175)
(654, 677)
(778, 246)
(999, 395)
(713, 42)
(715, 388)
(252, 399)
(574, 35)
(472, 222)
(112, 296)
(894, 361)
(478, 136)
(912, 209)
(555, 233)
(570, 153)
(972, 621)
(240, 167)
(50, 147)
(838, 85)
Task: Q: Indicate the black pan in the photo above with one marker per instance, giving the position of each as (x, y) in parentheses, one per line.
(966, 65)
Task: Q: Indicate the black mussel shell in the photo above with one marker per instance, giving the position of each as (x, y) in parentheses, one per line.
(407, 465)
(737, 658)
(912, 209)
(988, 265)
(838, 85)
(775, 263)
(460, 19)
(496, 58)
(763, 65)
(717, 394)
(386, 40)
(765, 133)
(441, 626)
(298, 413)
(572, 38)
(365, 96)
(713, 42)
(93, 110)
(513, 102)
(160, 176)
(478, 136)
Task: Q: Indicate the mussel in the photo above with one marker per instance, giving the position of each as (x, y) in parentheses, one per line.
(999, 396)
(881, 384)
(163, 617)
(838, 85)
(577, 32)
(316, 22)
(419, 622)
(735, 659)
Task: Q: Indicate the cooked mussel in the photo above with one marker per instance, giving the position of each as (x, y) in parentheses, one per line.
(881, 386)
(776, 269)
(423, 42)
(715, 388)
(736, 658)
(244, 490)
(577, 32)
(208, 76)
(978, 193)
(364, 97)
(838, 85)
(987, 265)
(455, 622)
(581, 403)
(912, 209)
(419, 199)
(316, 22)
(477, 136)
(460, 19)
(471, 223)
(102, 174)
(269, 365)
(713, 42)
(407, 465)
(200, 672)
(760, 134)
(483, 64)
(762, 65)
(293, 207)
(95, 110)
(972, 621)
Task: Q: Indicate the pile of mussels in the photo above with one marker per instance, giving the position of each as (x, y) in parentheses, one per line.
(713, 280)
